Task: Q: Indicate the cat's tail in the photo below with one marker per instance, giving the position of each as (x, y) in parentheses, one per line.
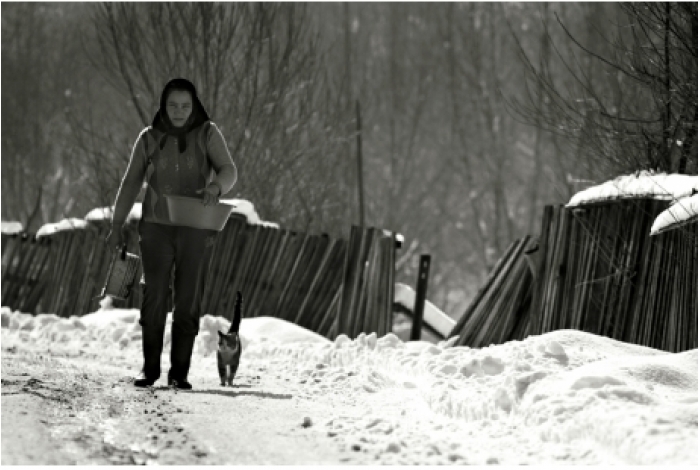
(237, 309)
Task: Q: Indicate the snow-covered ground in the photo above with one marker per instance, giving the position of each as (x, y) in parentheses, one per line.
(565, 396)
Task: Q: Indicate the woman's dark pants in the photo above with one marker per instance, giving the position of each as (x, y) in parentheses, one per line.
(189, 251)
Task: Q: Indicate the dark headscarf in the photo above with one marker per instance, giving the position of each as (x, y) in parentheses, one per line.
(161, 121)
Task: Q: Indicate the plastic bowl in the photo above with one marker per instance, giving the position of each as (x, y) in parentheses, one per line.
(190, 212)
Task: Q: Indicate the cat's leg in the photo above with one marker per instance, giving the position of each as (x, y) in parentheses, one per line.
(232, 374)
(222, 369)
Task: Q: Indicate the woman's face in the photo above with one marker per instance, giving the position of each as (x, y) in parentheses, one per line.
(179, 107)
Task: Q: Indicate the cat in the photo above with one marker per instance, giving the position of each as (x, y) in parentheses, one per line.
(229, 353)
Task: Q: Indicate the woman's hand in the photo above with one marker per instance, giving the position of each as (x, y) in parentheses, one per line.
(210, 194)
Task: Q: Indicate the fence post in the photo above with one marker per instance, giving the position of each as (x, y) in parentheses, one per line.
(421, 290)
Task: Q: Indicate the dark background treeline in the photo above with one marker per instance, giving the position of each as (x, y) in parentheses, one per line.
(473, 115)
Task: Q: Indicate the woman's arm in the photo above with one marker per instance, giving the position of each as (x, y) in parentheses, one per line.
(131, 183)
(226, 172)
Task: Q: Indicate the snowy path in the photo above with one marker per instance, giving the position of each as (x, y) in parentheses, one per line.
(562, 398)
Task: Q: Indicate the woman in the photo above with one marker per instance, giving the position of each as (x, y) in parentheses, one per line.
(177, 154)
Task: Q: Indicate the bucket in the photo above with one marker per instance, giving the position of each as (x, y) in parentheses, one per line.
(190, 212)
(121, 275)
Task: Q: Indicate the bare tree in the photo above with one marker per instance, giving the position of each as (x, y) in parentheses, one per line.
(36, 75)
(633, 102)
(258, 68)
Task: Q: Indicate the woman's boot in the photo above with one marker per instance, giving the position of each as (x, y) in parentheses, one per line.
(152, 346)
(180, 358)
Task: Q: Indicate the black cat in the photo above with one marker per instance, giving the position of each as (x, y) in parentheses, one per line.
(229, 353)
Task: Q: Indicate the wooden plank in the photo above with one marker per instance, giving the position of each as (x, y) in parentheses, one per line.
(316, 263)
(539, 292)
(221, 266)
(316, 259)
(498, 306)
(238, 256)
(11, 247)
(263, 245)
(559, 319)
(299, 243)
(370, 322)
(388, 281)
(66, 289)
(253, 242)
(460, 325)
(474, 325)
(265, 272)
(298, 275)
(350, 276)
(329, 326)
(39, 279)
(305, 309)
(330, 285)
(17, 275)
(90, 247)
(360, 292)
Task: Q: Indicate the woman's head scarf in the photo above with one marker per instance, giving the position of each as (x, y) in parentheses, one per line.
(161, 121)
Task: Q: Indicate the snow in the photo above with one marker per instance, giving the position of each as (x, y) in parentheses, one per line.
(241, 207)
(432, 315)
(645, 185)
(681, 213)
(556, 393)
(105, 213)
(65, 224)
(246, 208)
(10, 228)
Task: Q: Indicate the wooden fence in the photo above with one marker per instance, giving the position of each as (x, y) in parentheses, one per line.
(597, 269)
(366, 302)
(499, 311)
(291, 275)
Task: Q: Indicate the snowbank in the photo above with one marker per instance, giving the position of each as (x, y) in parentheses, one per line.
(121, 327)
(683, 212)
(564, 386)
(645, 185)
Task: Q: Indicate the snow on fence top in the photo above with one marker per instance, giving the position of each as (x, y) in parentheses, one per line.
(10, 228)
(241, 206)
(683, 212)
(645, 185)
(65, 224)
(105, 213)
